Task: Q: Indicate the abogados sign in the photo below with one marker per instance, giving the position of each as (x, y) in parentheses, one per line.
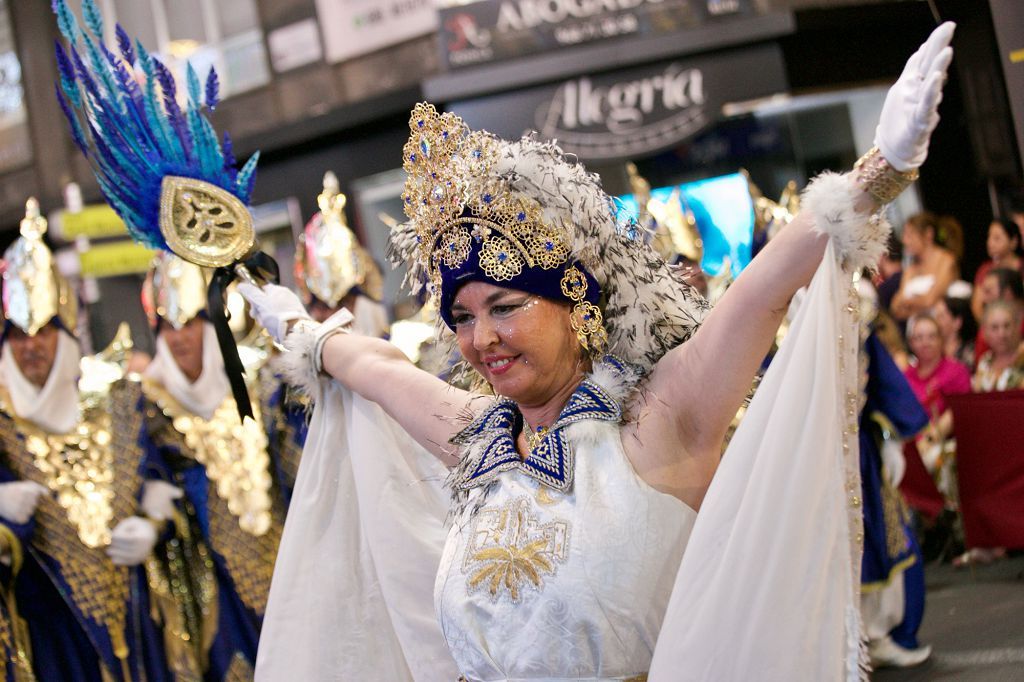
(632, 112)
(495, 30)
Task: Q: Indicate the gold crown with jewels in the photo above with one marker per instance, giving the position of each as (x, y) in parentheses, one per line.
(452, 197)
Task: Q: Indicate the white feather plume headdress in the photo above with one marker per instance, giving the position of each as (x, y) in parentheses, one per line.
(647, 307)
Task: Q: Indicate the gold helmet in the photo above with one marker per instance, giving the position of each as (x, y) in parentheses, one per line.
(174, 291)
(329, 261)
(34, 292)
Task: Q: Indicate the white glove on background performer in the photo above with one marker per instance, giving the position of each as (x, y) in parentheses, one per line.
(894, 464)
(18, 500)
(273, 306)
(158, 499)
(910, 112)
(131, 541)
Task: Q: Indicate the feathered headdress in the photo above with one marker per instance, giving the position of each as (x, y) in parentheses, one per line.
(125, 117)
(159, 164)
(528, 200)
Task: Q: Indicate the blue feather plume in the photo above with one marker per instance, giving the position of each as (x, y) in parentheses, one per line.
(93, 18)
(212, 89)
(65, 21)
(67, 75)
(124, 44)
(134, 136)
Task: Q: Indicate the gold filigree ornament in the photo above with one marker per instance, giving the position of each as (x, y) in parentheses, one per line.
(204, 223)
(451, 198)
(586, 318)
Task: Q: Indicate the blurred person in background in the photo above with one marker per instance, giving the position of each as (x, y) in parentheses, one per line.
(958, 328)
(1000, 284)
(934, 376)
(1001, 368)
(890, 273)
(1004, 251)
(932, 267)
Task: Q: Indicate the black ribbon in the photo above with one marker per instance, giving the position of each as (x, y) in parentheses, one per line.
(263, 267)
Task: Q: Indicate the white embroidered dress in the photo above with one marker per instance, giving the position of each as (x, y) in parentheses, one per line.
(559, 566)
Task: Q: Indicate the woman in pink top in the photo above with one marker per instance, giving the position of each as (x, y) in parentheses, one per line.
(934, 375)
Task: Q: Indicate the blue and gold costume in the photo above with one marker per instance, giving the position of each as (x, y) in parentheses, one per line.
(890, 546)
(232, 512)
(85, 617)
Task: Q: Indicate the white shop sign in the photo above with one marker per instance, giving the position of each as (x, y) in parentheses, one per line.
(355, 27)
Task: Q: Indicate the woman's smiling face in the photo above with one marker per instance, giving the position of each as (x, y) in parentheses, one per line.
(522, 344)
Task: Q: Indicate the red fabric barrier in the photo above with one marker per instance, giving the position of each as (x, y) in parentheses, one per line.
(918, 486)
(989, 429)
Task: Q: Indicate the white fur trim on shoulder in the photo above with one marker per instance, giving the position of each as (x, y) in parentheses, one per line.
(859, 240)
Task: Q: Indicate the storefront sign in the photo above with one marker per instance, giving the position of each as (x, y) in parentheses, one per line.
(495, 30)
(93, 222)
(123, 257)
(295, 45)
(632, 112)
(355, 27)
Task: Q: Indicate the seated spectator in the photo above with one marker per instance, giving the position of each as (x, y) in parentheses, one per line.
(932, 267)
(1004, 251)
(957, 327)
(933, 376)
(1001, 367)
(1000, 284)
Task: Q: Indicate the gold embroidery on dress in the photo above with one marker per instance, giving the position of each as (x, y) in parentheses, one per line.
(241, 492)
(509, 548)
(98, 588)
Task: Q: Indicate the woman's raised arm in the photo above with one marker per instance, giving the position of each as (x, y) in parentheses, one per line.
(429, 409)
(704, 381)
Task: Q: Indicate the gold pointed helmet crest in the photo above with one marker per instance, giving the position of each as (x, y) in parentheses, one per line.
(329, 261)
(34, 292)
(174, 290)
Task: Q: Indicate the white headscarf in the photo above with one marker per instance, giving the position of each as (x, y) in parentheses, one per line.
(54, 407)
(203, 396)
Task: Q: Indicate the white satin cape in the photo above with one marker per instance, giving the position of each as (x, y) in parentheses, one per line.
(765, 590)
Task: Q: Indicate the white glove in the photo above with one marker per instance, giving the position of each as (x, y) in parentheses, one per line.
(131, 541)
(18, 500)
(158, 499)
(273, 307)
(894, 465)
(910, 112)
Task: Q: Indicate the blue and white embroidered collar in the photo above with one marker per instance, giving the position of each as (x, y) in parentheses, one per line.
(551, 462)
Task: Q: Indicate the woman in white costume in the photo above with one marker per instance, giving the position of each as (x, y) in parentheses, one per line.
(574, 492)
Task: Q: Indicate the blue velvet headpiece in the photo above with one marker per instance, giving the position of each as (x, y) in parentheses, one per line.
(534, 280)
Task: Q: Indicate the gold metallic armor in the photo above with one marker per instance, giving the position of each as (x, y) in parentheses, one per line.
(246, 520)
(34, 292)
(329, 261)
(86, 485)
